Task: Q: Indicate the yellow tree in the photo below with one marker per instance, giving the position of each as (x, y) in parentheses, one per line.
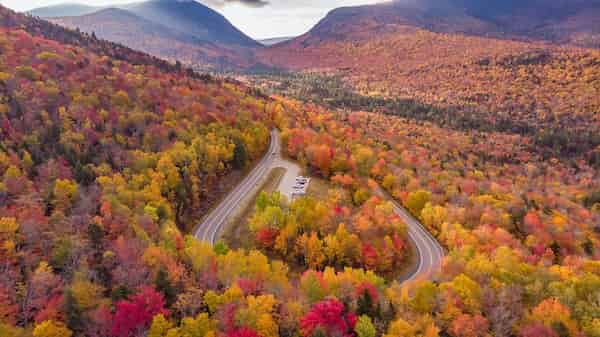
(364, 327)
(159, 327)
(416, 201)
(467, 290)
(51, 329)
(87, 294)
(200, 326)
(312, 248)
(433, 217)
(65, 192)
(266, 326)
(424, 326)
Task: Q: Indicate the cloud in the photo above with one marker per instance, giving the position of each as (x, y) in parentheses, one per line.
(249, 3)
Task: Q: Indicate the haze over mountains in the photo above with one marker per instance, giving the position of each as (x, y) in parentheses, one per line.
(66, 9)
(186, 31)
(202, 37)
(576, 22)
(192, 18)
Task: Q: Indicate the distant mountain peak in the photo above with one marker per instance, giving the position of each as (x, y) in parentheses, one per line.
(65, 9)
(193, 18)
(187, 17)
(559, 21)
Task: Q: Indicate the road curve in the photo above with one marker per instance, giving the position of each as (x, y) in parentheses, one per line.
(428, 251)
(209, 229)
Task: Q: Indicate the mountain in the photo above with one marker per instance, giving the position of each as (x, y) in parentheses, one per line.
(192, 18)
(559, 21)
(116, 24)
(81, 126)
(184, 31)
(125, 27)
(67, 9)
(364, 22)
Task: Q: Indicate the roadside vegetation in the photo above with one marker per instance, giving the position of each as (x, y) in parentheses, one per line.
(237, 233)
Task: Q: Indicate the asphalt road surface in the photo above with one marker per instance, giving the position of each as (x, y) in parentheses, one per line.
(211, 226)
(428, 252)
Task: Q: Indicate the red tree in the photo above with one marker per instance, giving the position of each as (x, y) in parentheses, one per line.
(330, 316)
(266, 237)
(469, 326)
(369, 256)
(136, 314)
(367, 287)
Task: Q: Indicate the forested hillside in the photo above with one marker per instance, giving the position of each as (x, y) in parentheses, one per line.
(45, 29)
(527, 88)
(522, 232)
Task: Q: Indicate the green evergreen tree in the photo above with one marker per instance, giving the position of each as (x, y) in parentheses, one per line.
(365, 304)
(120, 292)
(164, 286)
(72, 312)
(240, 155)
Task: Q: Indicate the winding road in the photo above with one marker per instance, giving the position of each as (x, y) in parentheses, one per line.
(210, 228)
(428, 251)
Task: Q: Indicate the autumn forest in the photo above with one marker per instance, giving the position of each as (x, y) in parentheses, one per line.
(110, 158)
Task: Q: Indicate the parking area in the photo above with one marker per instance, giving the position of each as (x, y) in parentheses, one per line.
(300, 187)
(288, 181)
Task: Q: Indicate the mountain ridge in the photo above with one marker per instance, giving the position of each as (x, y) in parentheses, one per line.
(65, 9)
(527, 20)
(188, 32)
(122, 26)
(186, 16)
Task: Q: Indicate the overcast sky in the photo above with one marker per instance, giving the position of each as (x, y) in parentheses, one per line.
(261, 19)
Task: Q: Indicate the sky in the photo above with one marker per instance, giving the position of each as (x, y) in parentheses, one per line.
(257, 18)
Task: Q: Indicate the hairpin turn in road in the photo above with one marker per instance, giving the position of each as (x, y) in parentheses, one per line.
(428, 251)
